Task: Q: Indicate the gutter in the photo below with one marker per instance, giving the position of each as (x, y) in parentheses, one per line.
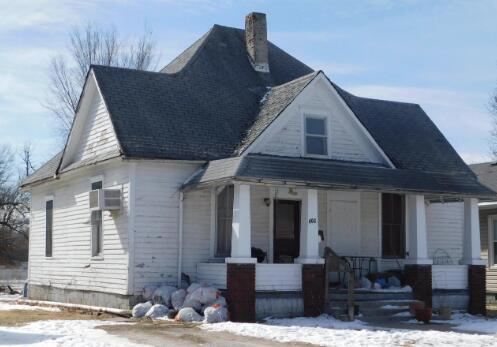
(180, 237)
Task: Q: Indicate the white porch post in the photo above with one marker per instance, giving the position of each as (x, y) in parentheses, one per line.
(471, 246)
(309, 234)
(416, 227)
(241, 230)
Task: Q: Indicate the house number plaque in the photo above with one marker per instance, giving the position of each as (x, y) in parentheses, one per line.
(312, 220)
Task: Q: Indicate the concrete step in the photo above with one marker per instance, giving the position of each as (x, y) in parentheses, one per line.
(380, 308)
(341, 295)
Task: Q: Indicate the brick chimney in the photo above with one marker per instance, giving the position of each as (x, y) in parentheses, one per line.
(256, 40)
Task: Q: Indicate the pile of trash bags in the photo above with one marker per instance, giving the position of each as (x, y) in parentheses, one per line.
(197, 303)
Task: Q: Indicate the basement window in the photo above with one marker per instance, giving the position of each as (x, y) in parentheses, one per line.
(316, 137)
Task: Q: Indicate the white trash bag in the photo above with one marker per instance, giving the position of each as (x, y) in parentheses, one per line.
(215, 314)
(193, 303)
(188, 314)
(193, 287)
(139, 310)
(206, 295)
(221, 301)
(157, 311)
(148, 291)
(162, 295)
(178, 298)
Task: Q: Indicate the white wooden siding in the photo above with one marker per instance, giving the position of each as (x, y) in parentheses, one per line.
(196, 230)
(491, 270)
(72, 266)
(347, 139)
(98, 135)
(445, 228)
(278, 277)
(370, 234)
(449, 276)
(259, 217)
(213, 274)
(268, 277)
(156, 222)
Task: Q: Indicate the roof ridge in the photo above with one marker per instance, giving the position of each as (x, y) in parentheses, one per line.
(98, 66)
(201, 44)
(298, 79)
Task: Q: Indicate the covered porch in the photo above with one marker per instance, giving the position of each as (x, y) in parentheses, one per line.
(432, 238)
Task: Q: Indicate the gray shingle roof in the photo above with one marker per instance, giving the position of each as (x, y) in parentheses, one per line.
(46, 171)
(205, 105)
(337, 174)
(486, 173)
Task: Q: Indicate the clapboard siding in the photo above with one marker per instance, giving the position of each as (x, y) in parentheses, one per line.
(259, 217)
(288, 140)
(72, 266)
(156, 217)
(450, 276)
(278, 277)
(445, 228)
(491, 270)
(196, 230)
(98, 135)
(370, 237)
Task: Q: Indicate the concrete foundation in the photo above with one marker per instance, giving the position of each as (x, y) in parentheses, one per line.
(279, 304)
(81, 297)
(456, 299)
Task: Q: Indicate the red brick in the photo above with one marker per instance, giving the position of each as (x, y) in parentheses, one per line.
(477, 289)
(313, 288)
(419, 278)
(240, 293)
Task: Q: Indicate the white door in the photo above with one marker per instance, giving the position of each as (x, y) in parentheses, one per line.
(344, 234)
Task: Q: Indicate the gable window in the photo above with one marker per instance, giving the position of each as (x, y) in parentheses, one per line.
(48, 227)
(315, 135)
(224, 220)
(96, 226)
(393, 226)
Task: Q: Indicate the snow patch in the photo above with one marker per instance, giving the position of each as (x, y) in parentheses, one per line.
(6, 306)
(62, 333)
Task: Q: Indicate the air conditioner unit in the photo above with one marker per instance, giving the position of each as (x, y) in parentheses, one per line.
(105, 199)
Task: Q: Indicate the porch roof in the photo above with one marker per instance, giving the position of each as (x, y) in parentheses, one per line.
(336, 174)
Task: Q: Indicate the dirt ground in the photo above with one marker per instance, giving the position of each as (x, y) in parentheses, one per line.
(146, 332)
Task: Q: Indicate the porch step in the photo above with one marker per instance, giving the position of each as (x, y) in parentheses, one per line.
(380, 308)
(370, 303)
(341, 295)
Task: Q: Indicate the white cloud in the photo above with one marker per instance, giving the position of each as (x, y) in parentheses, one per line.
(42, 14)
(332, 68)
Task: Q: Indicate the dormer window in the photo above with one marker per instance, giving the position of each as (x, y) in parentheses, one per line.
(316, 137)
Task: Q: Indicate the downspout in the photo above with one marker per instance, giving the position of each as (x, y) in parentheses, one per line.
(180, 238)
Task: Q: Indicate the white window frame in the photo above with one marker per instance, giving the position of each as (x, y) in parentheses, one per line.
(316, 115)
(214, 224)
(49, 198)
(99, 256)
(490, 245)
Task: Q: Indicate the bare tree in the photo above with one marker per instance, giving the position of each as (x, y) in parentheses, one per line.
(26, 156)
(89, 45)
(14, 208)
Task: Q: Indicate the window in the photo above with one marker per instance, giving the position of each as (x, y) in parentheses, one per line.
(48, 227)
(224, 220)
(96, 226)
(393, 226)
(493, 239)
(316, 141)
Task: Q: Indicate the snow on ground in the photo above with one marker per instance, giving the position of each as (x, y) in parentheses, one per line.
(6, 306)
(62, 333)
(327, 331)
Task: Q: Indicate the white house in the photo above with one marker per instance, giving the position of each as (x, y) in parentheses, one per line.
(236, 144)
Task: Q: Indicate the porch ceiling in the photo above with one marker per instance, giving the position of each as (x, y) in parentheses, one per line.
(336, 174)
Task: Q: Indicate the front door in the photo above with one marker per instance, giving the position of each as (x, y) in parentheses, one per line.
(286, 230)
(344, 233)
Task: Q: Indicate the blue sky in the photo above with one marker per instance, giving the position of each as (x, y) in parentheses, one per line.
(440, 54)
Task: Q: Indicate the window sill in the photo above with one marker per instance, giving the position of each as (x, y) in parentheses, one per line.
(317, 156)
(97, 258)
